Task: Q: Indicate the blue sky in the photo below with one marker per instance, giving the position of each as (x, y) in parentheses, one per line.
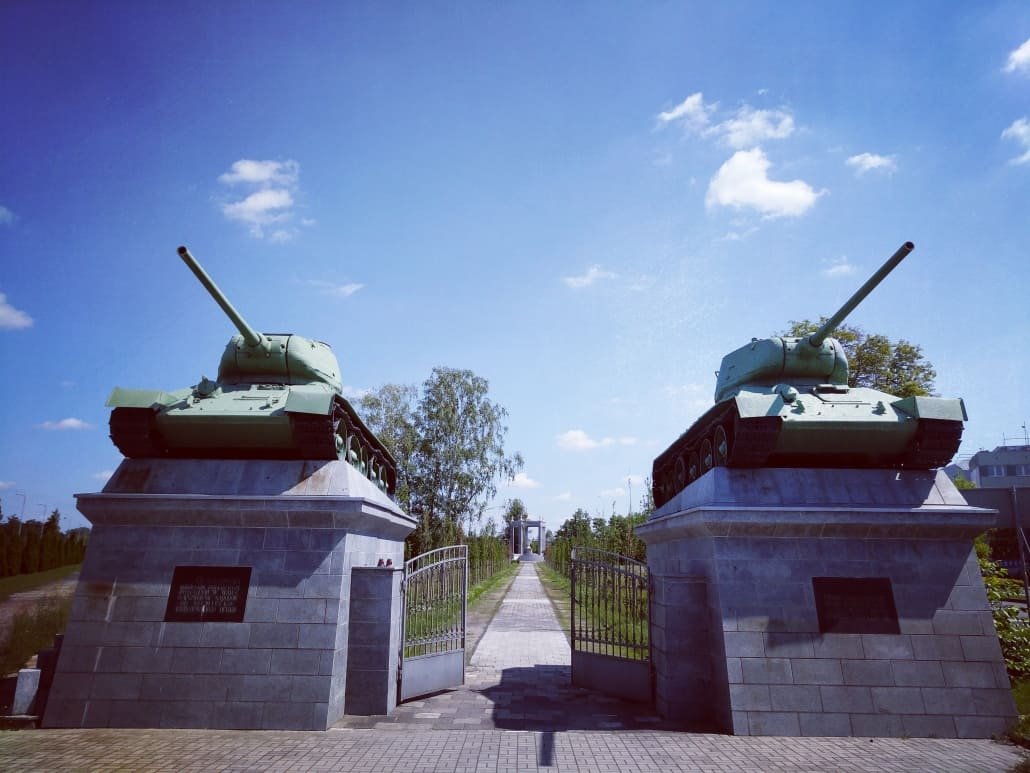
(587, 204)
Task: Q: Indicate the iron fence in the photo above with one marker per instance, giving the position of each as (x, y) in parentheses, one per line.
(611, 601)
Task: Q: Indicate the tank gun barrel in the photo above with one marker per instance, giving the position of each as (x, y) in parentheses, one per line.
(250, 335)
(817, 338)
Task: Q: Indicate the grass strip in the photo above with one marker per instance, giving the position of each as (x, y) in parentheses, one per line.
(558, 590)
(33, 630)
(23, 582)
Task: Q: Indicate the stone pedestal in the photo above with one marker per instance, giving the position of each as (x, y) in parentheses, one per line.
(375, 640)
(824, 603)
(130, 660)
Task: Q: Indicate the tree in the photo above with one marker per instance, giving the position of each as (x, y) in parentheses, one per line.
(448, 439)
(898, 368)
(962, 482)
(390, 413)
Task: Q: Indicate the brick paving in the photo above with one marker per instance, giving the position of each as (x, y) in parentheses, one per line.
(516, 712)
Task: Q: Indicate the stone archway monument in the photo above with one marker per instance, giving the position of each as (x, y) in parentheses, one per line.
(521, 542)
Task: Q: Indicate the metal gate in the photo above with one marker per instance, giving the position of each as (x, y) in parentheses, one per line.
(611, 624)
(434, 594)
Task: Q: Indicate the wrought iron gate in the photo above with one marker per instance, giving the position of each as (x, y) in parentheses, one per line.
(434, 594)
(611, 624)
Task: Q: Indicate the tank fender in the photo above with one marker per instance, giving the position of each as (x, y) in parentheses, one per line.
(751, 404)
(309, 399)
(949, 408)
(142, 398)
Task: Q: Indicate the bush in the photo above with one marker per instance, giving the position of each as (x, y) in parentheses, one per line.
(1013, 631)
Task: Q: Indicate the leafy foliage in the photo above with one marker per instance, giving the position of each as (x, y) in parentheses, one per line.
(896, 367)
(1013, 631)
(448, 440)
(614, 534)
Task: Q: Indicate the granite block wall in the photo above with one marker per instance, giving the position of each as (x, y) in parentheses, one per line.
(374, 640)
(283, 667)
(773, 670)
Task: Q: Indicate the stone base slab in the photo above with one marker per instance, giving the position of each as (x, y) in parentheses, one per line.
(736, 632)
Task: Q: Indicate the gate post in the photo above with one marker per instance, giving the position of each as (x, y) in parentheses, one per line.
(374, 640)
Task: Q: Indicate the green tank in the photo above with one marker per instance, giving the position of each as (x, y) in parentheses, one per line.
(277, 396)
(785, 402)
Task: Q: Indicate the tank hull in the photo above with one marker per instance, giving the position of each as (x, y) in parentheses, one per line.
(248, 421)
(816, 426)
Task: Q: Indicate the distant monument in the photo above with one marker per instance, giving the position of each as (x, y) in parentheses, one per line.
(230, 579)
(524, 545)
(813, 574)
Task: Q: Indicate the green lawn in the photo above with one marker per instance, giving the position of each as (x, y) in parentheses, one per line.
(24, 582)
(499, 578)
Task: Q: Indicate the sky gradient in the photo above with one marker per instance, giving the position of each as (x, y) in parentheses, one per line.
(586, 204)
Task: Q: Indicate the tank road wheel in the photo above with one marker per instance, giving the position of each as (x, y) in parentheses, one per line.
(707, 456)
(680, 476)
(693, 467)
(720, 446)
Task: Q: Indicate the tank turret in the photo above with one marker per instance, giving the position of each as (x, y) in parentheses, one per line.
(785, 402)
(276, 396)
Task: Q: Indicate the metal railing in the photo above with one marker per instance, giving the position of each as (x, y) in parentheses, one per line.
(611, 603)
(435, 592)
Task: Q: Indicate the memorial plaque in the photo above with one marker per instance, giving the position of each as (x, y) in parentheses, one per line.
(202, 594)
(855, 605)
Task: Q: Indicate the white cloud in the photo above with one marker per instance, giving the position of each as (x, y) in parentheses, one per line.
(270, 201)
(578, 440)
(522, 480)
(12, 318)
(261, 173)
(261, 208)
(1019, 59)
(618, 491)
(750, 127)
(594, 273)
(102, 475)
(565, 496)
(838, 267)
(743, 181)
(340, 291)
(6, 216)
(868, 162)
(63, 424)
(6, 484)
(692, 111)
(1020, 132)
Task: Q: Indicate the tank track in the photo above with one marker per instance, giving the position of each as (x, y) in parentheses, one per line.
(749, 441)
(935, 444)
(134, 432)
(752, 442)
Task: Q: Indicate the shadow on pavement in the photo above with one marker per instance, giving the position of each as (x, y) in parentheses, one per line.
(542, 698)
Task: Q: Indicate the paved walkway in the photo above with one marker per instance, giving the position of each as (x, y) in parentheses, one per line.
(517, 712)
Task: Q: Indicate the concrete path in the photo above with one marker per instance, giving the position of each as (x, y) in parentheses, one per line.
(517, 712)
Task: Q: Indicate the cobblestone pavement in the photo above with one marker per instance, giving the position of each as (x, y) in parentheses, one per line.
(516, 712)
